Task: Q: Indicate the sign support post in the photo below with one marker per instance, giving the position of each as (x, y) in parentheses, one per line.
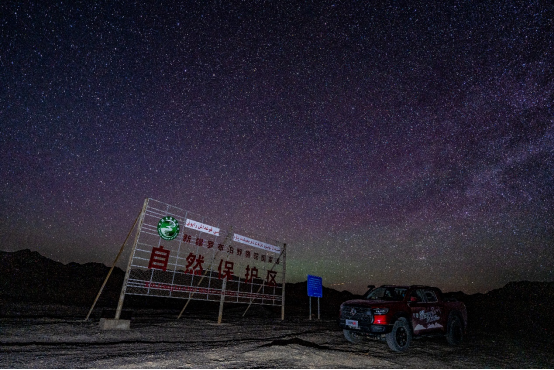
(318, 308)
(282, 294)
(227, 238)
(128, 271)
(200, 282)
(284, 281)
(222, 300)
(111, 269)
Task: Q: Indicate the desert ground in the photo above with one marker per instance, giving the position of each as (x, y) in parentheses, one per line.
(53, 336)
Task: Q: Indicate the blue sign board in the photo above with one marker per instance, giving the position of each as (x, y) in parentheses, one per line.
(315, 286)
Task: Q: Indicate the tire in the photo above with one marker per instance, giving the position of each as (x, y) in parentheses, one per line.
(400, 337)
(455, 330)
(352, 336)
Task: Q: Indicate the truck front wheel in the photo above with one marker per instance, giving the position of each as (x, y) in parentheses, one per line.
(400, 337)
(455, 330)
(352, 336)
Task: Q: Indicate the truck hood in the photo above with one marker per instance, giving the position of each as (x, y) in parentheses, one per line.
(368, 303)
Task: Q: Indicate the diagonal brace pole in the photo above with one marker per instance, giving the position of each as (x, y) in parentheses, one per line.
(111, 269)
(262, 285)
(225, 241)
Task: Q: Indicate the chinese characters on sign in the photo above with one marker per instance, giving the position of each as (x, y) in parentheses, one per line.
(197, 268)
(159, 258)
(227, 270)
(209, 244)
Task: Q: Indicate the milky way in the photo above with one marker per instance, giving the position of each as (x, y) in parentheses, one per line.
(384, 142)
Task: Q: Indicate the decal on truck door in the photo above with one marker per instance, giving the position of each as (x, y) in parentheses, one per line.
(427, 319)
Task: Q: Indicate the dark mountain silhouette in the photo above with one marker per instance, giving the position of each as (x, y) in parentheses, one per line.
(524, 307)
(25, 276)
(30, 277)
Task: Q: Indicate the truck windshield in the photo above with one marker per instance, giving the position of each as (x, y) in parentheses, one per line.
(387, 294)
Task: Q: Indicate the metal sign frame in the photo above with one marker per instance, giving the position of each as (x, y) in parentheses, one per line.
(200, 260)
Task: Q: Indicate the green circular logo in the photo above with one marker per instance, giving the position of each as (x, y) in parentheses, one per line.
(168, 228)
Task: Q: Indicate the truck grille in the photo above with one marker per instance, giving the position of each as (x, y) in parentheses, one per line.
(357, 313)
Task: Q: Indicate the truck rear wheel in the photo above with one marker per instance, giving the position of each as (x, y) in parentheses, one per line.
(352, 336)
(455, 330)
(400, 337)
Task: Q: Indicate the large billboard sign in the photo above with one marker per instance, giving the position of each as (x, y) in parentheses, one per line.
(184, 255)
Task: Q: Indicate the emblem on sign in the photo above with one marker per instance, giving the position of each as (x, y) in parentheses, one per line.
(168, 228)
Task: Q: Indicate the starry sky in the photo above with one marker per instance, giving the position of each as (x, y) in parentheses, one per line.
(399, 142)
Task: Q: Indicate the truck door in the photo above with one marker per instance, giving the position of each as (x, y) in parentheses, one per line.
(426, 311)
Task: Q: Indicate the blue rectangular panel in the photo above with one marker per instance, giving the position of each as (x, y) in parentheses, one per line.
(315, 286)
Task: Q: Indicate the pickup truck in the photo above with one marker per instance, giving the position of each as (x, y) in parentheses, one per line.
(399, 313)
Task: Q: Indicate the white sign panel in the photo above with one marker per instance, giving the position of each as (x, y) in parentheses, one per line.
(256, 243)
(191, 224)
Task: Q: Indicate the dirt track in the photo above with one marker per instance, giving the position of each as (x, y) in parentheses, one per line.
(160, 341)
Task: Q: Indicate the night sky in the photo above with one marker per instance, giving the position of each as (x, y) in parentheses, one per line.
(383, 141)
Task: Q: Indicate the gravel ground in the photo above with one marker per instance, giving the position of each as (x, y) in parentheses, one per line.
(196, 341)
